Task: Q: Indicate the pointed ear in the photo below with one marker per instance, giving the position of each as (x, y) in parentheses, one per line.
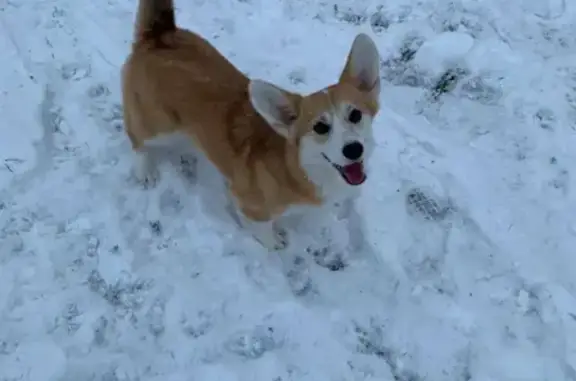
(278, 107)
(363, 66)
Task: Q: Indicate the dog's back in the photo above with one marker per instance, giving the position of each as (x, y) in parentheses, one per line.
(175, 81)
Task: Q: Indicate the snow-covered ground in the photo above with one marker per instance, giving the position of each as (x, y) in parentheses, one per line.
(469, 267)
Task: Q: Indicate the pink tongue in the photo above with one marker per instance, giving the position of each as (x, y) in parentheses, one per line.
(354, 173)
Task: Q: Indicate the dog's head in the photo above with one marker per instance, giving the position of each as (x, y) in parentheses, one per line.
(332, 128)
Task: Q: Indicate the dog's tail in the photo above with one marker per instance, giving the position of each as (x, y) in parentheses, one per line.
(154, 21)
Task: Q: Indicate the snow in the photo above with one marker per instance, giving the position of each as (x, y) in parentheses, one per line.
(468, 267)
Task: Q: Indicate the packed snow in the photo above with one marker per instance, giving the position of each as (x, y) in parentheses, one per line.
(467, 270)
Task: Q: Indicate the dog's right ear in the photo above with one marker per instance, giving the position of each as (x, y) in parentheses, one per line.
(278, 107)
(362, 67)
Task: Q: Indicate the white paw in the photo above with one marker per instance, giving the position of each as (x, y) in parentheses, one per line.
(271, 238)
(145, 170)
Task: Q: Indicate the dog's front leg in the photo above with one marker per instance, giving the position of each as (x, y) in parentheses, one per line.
(263, 228)
(354, 224)
(328, 243)
(256, 220)
(267, 234)
(145, 169)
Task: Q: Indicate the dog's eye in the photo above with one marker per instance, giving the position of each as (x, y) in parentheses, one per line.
(355, 116)
(321, 128)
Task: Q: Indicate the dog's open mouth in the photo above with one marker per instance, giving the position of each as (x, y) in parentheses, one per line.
(352, 173)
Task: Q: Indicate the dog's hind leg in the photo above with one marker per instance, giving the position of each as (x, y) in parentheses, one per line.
(145, 168)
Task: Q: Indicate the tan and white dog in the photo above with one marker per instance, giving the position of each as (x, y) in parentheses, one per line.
(276, 149)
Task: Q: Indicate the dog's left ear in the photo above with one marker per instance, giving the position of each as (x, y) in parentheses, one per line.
(278, 107)
(362, 67)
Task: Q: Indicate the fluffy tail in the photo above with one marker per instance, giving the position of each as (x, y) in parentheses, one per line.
(155, 19)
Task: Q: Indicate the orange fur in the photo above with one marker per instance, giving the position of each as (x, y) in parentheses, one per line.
(174, 81)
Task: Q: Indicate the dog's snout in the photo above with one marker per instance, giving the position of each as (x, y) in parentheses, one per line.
(353, 150)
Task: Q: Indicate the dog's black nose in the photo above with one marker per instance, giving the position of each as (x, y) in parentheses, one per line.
(353, 150)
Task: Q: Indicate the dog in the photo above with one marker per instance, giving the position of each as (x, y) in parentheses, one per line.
(277, 150)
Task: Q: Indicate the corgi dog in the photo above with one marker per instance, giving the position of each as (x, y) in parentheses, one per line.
(277, 150)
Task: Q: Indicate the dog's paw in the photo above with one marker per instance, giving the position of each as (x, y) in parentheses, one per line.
(281, 239)
(148, 179)
(272, 239)
(188, 164)
(145, 171)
